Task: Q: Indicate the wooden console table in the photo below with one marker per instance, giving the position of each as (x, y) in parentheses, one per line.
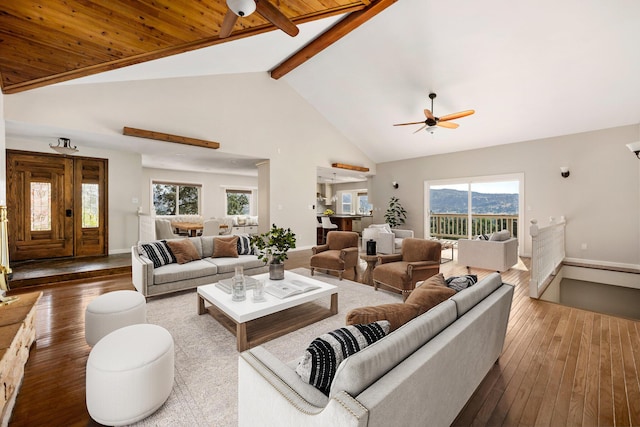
(17, 333)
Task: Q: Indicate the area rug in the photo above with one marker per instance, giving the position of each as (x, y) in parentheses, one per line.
(205, 390)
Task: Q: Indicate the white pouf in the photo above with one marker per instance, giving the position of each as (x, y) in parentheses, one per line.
(112, 311)
(129, 374)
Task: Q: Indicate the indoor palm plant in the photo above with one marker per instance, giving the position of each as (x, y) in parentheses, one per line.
(395, 214)
(272, 247)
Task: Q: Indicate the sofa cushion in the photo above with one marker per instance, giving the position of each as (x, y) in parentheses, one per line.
(325, 353)
(184, 250)
(175, 272)
(158, 252)
(362, 369)
(397, 314)
(225, 247)
(228, 265)
(207, 245)
(468, 298)
(428, 296)
(197, 242)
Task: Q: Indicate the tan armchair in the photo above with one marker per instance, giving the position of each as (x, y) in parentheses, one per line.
(338, 254)
(419, 260)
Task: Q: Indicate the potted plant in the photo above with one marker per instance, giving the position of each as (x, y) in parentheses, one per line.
(395, 214)
(272, 247)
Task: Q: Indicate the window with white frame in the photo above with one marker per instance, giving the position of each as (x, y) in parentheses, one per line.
(346, 199)
(239, 202)
(171, 198)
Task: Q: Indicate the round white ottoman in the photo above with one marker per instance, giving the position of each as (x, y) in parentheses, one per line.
(112, 311)
(129, 374)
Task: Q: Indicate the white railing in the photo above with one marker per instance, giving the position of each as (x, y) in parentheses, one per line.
(547, 254)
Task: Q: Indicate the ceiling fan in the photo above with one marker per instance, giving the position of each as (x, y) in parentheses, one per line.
(240, 8)
(437, 121)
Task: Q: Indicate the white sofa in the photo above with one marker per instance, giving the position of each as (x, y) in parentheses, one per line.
(175, 277)
(421, 374)
(496, 255)
(388, 240)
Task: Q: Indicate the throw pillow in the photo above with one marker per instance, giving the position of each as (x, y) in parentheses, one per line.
(458, 283)
(225, 247)
(325, 353)
(397, 314)
(184, 250)
(428, 296)
(158, 252)
(500, 236)
(437, 280)
(244, 245)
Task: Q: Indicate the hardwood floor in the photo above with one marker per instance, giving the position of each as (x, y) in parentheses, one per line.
(560, 365)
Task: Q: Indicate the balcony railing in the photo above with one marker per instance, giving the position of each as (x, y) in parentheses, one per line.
(454, 226)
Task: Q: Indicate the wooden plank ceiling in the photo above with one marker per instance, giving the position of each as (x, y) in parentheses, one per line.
(49, 41)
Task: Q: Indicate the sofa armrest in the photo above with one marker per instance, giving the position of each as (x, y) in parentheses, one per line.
(389, 258)
(271, 393)
(319, 248)
(385, 243)
(403, 234)
(141, 272)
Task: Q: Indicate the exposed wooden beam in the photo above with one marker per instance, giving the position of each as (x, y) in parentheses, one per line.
(350, 167)
(141, 133)
(332, 35)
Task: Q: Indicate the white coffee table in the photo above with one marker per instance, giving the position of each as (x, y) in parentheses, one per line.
(257, 322)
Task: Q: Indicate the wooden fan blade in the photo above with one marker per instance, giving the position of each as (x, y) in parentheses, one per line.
(422, 127)
(277, 18)
(227, 24)
(449, 125)
(456, 115)
(410, 123)
(428, 114)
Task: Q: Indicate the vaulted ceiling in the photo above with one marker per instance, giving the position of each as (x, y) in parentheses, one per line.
(529, 69)
(44, 42)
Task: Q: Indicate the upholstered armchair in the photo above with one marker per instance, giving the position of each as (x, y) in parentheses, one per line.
(388, 240)
(419, 259)
(339, 253)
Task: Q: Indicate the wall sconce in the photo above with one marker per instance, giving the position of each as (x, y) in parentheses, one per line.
(564, 171)
(635, 148)
(395, 185)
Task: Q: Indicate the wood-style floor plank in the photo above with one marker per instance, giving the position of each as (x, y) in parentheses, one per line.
(559, 366)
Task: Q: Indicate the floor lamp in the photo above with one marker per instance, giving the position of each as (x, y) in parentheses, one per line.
(4, 258)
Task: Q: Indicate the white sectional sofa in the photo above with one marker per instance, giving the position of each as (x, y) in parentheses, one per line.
(421, 374)
(175, 277)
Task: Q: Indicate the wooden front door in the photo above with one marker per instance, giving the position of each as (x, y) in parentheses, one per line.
(56, 205)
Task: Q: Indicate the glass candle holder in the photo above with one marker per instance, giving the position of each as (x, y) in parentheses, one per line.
(238, 291)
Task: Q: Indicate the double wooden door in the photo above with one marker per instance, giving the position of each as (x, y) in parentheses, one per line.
(56, 205)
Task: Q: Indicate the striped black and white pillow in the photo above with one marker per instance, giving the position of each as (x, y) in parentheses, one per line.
(325, 353)
(244, 245)
(158, 252)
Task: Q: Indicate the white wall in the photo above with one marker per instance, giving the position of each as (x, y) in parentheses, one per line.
(213, 187)
(601, 197)
(247, 113)
(124, 168)
(3, 155)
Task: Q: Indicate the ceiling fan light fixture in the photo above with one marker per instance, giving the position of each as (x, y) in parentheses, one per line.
(431, 129)
(242, 7)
